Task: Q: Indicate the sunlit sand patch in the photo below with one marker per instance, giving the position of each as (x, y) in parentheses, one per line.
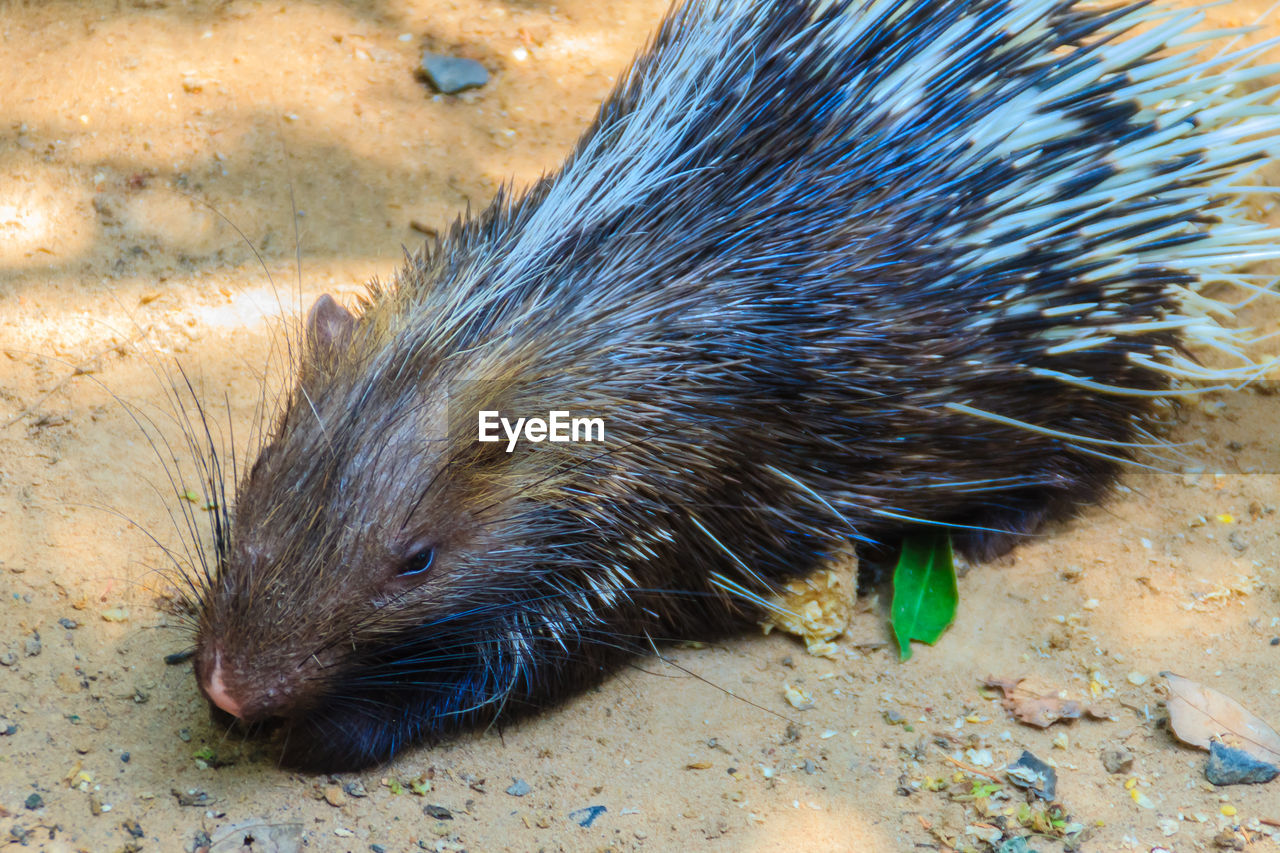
(42, 220)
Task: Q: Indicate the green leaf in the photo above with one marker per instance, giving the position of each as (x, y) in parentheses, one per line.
(924, 591)
(984, 789)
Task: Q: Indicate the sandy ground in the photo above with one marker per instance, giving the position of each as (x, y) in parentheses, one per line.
(144, 145)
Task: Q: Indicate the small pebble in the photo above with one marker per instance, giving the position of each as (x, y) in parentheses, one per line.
(797, 697)
(449, 75)
(1116, 759)
(1228, 840)
(519, 788)
(377, 848)
(124, 756)
(69, 624)
(979, 757)
(437, 812)
(115, 614)
(33, 802)
(7, 726)
(333, 796)
(33, 645)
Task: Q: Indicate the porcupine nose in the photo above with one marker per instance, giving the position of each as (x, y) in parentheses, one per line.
(216, 689)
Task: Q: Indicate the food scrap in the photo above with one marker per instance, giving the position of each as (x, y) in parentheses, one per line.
(816, 609)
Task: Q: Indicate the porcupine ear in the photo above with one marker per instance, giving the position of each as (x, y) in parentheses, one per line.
(329, 329)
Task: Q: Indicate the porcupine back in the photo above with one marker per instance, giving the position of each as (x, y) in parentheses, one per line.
(828, 272)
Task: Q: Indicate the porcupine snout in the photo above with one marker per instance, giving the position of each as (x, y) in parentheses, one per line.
(214, 685)
(235, 691)
(252, 688)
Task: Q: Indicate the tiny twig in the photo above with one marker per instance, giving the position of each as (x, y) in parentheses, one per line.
(969, 768)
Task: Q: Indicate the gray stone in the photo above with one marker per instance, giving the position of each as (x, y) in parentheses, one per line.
(1229, 766)
(451, 74)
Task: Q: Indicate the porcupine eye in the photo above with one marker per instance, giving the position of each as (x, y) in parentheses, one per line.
(418, 561)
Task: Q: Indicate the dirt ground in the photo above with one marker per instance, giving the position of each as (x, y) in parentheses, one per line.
(144, 145)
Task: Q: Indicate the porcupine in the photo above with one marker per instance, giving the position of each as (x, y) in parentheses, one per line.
(829, 271)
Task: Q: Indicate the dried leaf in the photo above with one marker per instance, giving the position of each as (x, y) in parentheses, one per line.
(1044, 711)
(1005, 685)
(1199, 714)
(1040, 710)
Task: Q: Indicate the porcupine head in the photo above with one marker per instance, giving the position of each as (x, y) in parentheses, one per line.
(908, 263)
(381, 581)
